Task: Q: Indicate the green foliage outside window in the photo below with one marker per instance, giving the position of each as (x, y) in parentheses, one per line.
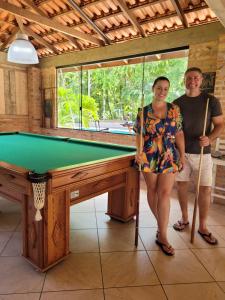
(113, 93)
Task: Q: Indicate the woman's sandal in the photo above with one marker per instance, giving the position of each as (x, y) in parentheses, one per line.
(157, 234)
(163, 247)
(209, 238)
(180, 225)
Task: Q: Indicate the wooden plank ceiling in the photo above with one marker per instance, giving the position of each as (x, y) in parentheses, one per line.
(62, 26)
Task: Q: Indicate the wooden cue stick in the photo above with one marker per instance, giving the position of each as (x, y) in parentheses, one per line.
(139, 151)
(199, 177)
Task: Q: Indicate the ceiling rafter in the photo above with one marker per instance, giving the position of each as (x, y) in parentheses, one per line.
(129, 15)
(49, 23)
(116, 20)
(10, 38)
(147, 20)
(190, 8)
(36, 9)
(180, 12)
(89, 21)
(29, 32)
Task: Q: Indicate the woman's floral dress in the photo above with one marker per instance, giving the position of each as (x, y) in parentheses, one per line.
(160, 154)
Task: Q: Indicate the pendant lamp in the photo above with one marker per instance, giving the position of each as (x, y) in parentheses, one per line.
(21, 51)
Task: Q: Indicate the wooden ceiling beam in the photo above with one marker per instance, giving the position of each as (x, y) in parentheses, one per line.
(10, 38)
(73, 4)
(34, 7)
(29, 32)
(180, 12)
(49, 23)
(72, 40)
(129, 15)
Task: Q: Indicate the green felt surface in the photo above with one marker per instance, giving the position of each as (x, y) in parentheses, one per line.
(40, 154)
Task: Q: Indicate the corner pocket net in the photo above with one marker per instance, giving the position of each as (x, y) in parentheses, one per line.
(39, 188)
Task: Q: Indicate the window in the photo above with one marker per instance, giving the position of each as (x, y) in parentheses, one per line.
(105, 96)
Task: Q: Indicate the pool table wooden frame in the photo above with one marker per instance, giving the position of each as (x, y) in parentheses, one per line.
(45, 243)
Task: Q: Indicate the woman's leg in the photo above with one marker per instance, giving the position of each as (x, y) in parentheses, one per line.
(164, 186)
(151, 182)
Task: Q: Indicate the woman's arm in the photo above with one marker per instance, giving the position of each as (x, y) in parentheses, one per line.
(179, 139)
(138, 156)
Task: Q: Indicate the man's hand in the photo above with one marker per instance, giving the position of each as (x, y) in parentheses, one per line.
(204, 141)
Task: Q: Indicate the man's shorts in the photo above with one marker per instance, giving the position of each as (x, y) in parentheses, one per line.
(190, 171)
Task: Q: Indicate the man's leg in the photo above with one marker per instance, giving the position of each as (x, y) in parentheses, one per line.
(204, 203)
(205, 199)
(182, 179)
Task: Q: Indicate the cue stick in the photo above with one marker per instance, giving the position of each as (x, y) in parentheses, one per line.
(140, 149)
(199, 177)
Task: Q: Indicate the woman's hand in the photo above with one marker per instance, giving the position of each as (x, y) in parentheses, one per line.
(139, 158)
(182, 160)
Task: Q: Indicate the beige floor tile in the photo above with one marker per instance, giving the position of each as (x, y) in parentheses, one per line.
(14, 246)
(4, 238)
(220, 230)
(197, 291)
(7, 206)
(19, 226)
(216, 217)
(183, 267)
(73, 295)
(82, 221)
(127, 269)
(85, 206)
(104, 221)
(9, 221)
(118, 239)
(30, 296)
(146, 219)
(101, 202)
(143, 204)
(198, 240)
(84, 240)
(78, 271)
(148, 236)
(18, 276)
(222, 285)
(213, 260)
(135, 293)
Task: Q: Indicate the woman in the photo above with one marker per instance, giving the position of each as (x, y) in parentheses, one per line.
(162, 155)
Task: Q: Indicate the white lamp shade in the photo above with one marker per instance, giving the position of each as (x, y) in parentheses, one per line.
(21, 51)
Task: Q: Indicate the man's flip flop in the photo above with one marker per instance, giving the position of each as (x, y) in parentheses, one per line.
(209, 238)
(164, 247)
(180, 225)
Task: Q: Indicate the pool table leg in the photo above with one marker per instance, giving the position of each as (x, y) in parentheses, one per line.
(47, 242)
(122, 202)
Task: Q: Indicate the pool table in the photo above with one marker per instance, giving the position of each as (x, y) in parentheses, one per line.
(73, 171)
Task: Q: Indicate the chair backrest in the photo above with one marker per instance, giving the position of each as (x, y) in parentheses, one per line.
(220, 145)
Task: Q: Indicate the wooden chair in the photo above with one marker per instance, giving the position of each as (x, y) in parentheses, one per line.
(218, 160)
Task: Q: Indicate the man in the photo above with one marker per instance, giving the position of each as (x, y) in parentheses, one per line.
(193, 106)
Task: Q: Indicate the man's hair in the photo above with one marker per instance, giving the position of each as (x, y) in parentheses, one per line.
(193, 69)
(160, 78)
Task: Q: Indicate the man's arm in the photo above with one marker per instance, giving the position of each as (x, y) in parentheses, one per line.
(218, 123)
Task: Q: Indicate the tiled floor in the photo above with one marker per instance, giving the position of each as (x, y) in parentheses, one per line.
(105, 265)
